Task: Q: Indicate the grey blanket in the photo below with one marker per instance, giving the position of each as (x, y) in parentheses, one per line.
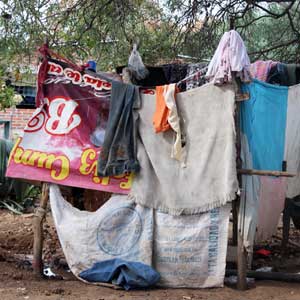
(209, 178)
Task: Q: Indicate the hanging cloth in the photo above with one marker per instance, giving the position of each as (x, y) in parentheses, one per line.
(260, 69)
(230, 56)
(166, 117)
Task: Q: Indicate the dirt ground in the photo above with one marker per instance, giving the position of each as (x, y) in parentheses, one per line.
(17, 280)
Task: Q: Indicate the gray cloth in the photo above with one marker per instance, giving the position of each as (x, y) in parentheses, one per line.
(209, 179)
(118, 154)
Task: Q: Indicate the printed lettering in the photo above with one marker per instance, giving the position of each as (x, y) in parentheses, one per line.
(54, 69)
(37, 120)
(59, 166)
(75, 76)
(62, 116)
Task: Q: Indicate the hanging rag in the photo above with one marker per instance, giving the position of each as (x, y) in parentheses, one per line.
(166, 117)
(230, 56)
(209, 178)
(260, 69)
(118, 154)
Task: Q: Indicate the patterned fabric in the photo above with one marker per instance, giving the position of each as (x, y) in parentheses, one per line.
(260, 69)
(195, 75)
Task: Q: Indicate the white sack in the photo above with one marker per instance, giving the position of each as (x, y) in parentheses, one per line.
(187, 251)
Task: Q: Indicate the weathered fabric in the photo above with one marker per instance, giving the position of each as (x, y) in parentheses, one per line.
(209, 179)
(187, 251)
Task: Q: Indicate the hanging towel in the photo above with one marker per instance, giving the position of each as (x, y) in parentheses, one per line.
(118, 154)
(230, 56)
(209, 179)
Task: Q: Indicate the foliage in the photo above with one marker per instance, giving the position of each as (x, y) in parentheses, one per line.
(105, 29)
(6, 93)
(20, 196)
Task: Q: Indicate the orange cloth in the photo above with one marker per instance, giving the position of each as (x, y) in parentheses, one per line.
(161, 114)
(160, 117)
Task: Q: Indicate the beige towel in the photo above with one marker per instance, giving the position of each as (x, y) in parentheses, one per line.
(209, 179)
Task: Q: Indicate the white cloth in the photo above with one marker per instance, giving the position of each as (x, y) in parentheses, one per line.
(209, 179)
(178, 152)
(271, 199)
(230, 56)
(292, 141)
(187, 251)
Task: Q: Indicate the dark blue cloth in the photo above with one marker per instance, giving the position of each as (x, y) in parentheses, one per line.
(130, 275)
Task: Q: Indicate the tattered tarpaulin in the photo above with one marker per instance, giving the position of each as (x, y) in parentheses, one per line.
(62, 140)
(187, 251)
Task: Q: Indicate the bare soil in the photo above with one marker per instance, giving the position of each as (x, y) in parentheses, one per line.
(17, 280)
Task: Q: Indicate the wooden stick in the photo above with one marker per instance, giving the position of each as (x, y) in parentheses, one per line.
(241, 251)
(235, 212)
(265, 173)
(38, 232)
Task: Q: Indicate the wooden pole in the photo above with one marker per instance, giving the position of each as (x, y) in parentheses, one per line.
(241, 251)
(235, 213)
(38, 232)
(265, 173)
(241, 264)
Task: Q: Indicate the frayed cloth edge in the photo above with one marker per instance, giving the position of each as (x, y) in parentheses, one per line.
(187, 211)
